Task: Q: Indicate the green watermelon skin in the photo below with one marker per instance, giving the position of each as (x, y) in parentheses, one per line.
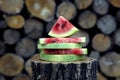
(62, 28)
(61, 57)
(62, 40)
(59, 46)
(76, 51)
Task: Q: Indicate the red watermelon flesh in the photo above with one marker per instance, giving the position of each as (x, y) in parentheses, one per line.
(65, 51)
(62, 28)
(61, 40)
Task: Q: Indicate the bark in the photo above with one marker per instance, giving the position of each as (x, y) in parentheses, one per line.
(76, 70)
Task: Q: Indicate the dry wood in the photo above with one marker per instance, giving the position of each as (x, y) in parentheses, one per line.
(15, 22)
(11, 36)
(3, 24)
(87, 19)
(2, 47)
(50, 25)
(101, 42)
(33, 28)
(25, 48)
(21, 77)
(11, 64)
(116, 37)
(43, 9)
(11, 6)
(76, 70)
(28, 63)
(107, 24)
(101, 7)
(115, 3)
(110, 64)
(100, 77)
(83, 4)
(66, 9)
(82, 33)
(2, 77)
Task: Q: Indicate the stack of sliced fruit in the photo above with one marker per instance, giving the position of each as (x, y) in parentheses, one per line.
(61, 47)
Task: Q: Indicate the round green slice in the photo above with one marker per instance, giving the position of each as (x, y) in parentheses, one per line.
(65, 57)
(59, 46)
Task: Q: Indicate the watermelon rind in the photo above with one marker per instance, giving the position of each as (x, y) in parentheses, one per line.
(59, 58)
(59, 46)
(67, 34)
(43, 40)
(84, 51)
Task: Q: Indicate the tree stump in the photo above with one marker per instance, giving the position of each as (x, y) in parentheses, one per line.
(77, 70)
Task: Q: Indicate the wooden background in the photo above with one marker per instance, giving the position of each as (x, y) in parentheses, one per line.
(23, 22)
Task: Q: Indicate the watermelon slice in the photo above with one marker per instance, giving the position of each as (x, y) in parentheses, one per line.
(59, 46)
(62, 28)
(61, 40)
(61, 57)
(77, 51)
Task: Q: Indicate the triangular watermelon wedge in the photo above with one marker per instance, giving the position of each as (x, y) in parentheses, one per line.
(62, 28)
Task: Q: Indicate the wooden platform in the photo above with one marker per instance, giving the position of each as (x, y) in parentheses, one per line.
(77, 70)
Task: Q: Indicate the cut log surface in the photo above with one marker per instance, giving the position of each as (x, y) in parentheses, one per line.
(101, 42)
(33, 28)
(15, 22)
(11, 64)
(83, 4)
(101, 7)
(82, 33)
(76, 70)
(66, 9)
(2, 47)
(100, 77)
(50, 25)
(110, 64)
(21, 77)
(116, 37)
(87, 20)
(11, 6)
(25, 48)
(43, 9)
(107, 24)
(11, 36)
(95, 54)
(118, 78)
(115, 3)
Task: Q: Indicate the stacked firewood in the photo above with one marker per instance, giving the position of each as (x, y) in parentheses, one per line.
(23, 22)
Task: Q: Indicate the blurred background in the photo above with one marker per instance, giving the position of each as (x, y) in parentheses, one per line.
(23, 22)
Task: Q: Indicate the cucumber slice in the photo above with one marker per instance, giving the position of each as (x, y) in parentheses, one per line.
(59, 46)
(61, 57)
